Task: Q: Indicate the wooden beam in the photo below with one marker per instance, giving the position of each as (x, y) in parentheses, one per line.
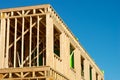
(38, 27)
(41, 14)
(19, 13)
(44, 59)
(26, 74)
(30, 43)
(8, 14)
(15, 42)
(5, 75)
(25, 8)
(49, 41)
(41, 11)
(27, 12)
(12, 13)
(25, 69)
(10, 75)
(2, 40)
(7, 44)
(34, 11)
(17, 74)
(18, 58)
(22, 49)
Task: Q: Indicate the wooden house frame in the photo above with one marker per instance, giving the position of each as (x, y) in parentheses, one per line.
(37, 45)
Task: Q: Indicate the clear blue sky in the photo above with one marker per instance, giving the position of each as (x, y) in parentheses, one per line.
(96, 23)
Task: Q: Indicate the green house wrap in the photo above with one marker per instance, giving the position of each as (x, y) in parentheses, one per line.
(72, 59)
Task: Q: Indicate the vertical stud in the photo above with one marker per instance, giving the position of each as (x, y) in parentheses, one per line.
(7, 43)
(37, 40)
(15, 42)
(30, 44)
(22, 49)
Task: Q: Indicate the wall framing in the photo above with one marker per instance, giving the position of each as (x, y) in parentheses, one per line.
(28, 36)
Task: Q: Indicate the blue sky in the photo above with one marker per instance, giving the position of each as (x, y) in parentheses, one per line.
(95, 23)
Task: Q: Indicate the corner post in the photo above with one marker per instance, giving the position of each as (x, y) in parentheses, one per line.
(49, 41)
